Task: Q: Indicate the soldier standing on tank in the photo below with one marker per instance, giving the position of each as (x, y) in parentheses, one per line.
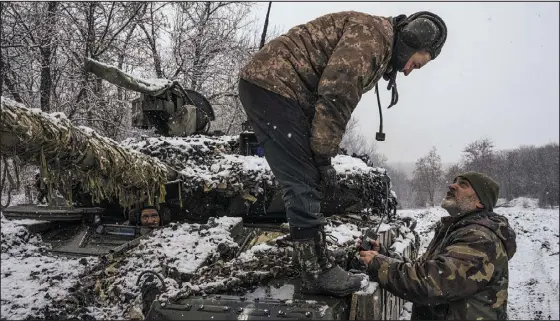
(299, 92)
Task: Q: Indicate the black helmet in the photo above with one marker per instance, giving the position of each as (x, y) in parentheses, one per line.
(136, 212)
(420, 31)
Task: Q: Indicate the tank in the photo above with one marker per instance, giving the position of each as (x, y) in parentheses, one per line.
(220, 250)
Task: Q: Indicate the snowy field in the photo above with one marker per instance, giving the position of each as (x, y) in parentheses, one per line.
(31, 279)
(534, 269)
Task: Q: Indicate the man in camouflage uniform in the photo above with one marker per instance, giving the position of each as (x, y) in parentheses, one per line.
(299, 92)
(463, 275)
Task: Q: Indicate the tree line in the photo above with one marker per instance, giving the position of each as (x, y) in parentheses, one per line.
(527, 171)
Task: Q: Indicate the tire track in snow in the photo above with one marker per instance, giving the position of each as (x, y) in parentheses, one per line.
(533, 286)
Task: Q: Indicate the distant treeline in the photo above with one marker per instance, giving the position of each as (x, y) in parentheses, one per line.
(528, 171)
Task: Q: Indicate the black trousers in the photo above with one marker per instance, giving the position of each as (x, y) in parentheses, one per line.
(283, 130)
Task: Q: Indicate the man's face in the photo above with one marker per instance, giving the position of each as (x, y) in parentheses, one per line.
(149, 217)
(416, 61)
(461, 198)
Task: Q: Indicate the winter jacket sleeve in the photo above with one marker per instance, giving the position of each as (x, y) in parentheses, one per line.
(464, 266)
(355, 60)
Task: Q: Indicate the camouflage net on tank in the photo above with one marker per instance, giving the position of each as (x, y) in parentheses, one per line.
(69, 154)
(210, 166)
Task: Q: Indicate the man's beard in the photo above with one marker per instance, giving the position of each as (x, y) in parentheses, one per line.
(455, 207)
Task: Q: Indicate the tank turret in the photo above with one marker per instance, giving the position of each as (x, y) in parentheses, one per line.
(163, 103)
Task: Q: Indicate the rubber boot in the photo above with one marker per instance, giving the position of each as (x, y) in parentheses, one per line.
(341, 256)
(319, 273)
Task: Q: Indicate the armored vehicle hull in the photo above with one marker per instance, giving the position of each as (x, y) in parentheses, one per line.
(222, 232)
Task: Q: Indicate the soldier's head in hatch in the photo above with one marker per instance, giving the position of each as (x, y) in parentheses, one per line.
(469, 192)
(149, 216)
(418, 40)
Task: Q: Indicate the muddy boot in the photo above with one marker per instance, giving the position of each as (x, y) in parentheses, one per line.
(319, 273)
(340, 256)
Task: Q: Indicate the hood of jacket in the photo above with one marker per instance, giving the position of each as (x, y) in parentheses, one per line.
(497, 224)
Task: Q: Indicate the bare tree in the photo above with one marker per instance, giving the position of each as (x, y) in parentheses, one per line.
(102, 31)
(428, 177)
(46, 48)
(402, 185)
(30, 46)
(154, 19)
(548, 171)
(201, 44)
(525, 171)
(354, 142)
(452, 172)
(530, 171)
(479, 156)
(2, 42)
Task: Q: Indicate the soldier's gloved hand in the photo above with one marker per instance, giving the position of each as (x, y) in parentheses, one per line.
(328, 176)
(376, 246)
(328, 181)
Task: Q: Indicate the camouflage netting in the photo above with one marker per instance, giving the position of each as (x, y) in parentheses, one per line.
(209, 164)
(209, 169)
(69, 154)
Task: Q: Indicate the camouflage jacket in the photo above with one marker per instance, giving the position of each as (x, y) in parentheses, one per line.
(325, 65)
(463, 275)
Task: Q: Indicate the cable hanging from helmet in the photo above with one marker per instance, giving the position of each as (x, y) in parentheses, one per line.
(400, 22)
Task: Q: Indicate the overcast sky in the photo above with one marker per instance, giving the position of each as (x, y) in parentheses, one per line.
(497, 77)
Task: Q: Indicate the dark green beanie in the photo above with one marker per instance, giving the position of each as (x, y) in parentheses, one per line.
(486, 188)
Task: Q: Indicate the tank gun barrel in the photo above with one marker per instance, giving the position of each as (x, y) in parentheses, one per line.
(153, 87)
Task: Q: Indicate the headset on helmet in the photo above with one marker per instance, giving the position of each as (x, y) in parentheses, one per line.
(399, 23)
(434, 48)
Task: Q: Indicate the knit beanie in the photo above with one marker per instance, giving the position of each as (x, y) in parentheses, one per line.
(486, 188)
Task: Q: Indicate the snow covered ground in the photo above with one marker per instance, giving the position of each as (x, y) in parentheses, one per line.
(30, 279)
(534, 270)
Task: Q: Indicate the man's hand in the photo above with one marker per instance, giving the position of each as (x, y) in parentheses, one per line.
(328, 176)
(375, 245)
(367, 256)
